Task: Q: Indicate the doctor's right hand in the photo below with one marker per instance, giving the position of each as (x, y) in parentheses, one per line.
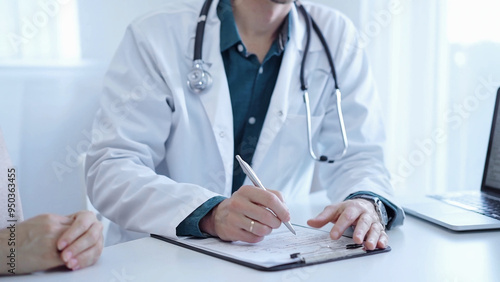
(244, 216)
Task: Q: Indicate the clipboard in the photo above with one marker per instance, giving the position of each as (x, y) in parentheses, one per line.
(280, 250)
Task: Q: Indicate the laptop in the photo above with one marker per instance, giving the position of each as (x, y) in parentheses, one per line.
(465, 211)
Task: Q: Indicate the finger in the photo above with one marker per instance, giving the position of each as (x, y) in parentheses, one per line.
(66, 220)
(266, 199)
(90, 238)
(363, 225)
(258, 228)
(278, 194)
(86, 258)
(82, 221)
(248, 237)
(329, 214)
(232, 226)
(248, 209)
(49, 217)
(348, 217)
(241, 234)
(264, 216)
(383, 241)
(373, 235)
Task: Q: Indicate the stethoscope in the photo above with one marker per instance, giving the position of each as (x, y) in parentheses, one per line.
(199, 80)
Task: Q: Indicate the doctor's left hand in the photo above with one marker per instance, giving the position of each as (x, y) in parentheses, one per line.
(356, 212)
(81, 245)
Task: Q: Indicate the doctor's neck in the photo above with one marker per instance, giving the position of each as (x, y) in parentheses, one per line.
(258, 21)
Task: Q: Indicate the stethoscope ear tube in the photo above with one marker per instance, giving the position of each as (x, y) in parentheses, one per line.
(338, 97)
(308, 121)
(323, 158)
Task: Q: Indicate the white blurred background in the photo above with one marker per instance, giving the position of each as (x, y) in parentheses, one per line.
(436, 64)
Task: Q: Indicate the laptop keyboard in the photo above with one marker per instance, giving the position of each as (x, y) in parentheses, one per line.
(481, 204)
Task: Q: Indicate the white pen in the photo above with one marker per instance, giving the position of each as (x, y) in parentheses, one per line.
(255, 180)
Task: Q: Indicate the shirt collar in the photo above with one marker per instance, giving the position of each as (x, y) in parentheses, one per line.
(229, 31)
(284, 33)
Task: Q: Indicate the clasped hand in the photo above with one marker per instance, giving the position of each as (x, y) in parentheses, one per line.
(50, 240)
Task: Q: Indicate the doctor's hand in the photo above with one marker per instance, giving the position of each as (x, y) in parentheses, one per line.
(356, 212)
(244, 216)
(81, 244)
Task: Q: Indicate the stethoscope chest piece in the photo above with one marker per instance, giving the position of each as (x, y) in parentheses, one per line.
(198, 79)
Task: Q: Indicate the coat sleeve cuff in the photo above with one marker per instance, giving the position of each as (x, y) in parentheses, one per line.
(395, 213)
(190, 226)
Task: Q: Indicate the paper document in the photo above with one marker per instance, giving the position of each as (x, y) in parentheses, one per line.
(309, 246)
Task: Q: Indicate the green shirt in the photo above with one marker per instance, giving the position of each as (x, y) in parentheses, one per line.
(251, 85)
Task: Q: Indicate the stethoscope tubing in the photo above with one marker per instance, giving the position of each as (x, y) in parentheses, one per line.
(198, 85)
(200, 31)
(338, 94)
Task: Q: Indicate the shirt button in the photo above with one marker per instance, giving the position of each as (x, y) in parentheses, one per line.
(261, 70)
(252, 120)
(240, 48)
(222, 134)
(280, 113)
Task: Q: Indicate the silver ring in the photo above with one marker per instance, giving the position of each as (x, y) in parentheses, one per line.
(251, 226)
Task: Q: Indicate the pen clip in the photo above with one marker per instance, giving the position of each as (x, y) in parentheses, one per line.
(247, 169)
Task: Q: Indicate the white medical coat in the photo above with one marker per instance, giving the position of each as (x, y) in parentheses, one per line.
(159, 151)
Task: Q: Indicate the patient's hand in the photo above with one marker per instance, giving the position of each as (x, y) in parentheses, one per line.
(50, 240)
(81, 244)
(35, 243)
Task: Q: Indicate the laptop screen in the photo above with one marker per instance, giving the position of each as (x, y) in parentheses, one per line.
(492, 177)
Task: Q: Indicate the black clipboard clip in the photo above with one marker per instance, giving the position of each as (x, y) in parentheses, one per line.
(303, 256)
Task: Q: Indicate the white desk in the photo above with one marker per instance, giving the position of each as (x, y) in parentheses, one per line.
(420, 252)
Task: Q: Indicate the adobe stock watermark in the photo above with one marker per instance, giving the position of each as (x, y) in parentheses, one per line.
(31, 26)
(121, 108)
(455, 117)
(121, 276)
(299, 274)
(379, 21)
(73, 158)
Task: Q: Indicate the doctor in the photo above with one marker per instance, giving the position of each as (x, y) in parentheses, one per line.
(163, 156)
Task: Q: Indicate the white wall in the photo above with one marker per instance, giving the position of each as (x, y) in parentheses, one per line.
(103, 22)
(44, 114)
(46, 108)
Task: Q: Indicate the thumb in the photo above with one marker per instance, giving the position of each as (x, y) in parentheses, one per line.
(66, 220)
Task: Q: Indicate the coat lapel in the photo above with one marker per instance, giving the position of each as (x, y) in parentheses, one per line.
(287, 87)
(216, 100)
